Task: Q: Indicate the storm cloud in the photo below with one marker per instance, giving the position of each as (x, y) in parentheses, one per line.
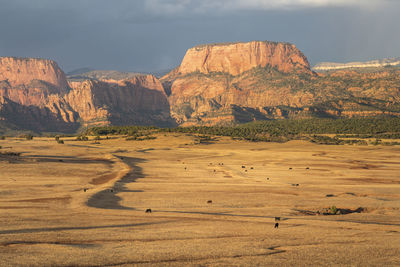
(153, 35)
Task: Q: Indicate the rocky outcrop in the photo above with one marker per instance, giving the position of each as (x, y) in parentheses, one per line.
(236, 58)
(222, 84)
(138, 100)
(38, 89)
(34, 118)
(29, 81)
(215, 84)
(22, 71)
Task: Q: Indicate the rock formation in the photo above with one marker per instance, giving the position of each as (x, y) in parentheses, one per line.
(39, 89)
(221, 84)
(236, 58)
(215, 84)
(34, 118)
(138, 100)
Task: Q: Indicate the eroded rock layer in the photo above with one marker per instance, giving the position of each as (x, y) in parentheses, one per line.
(37, 91)
(229, 83)
(236, 58)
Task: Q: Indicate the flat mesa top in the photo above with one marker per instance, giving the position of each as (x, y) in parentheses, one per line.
(233, 43)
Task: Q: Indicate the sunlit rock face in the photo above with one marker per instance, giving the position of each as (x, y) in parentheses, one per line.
(236, 58)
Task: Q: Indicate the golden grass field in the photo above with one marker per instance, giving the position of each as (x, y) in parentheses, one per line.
(47, 218)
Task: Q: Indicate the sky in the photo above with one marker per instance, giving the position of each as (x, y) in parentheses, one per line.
(153, 35)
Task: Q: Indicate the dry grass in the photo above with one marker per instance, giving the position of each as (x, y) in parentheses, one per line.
(46, 218)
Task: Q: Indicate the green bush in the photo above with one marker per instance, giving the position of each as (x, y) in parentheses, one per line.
(60, 141)
(333, 210)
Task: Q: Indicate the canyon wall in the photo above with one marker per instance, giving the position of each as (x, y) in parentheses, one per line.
(241, 82)
(138, 100)
(39, 89)
(236, 58)
(215, 84)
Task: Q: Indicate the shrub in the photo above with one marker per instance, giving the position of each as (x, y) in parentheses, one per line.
(28, 137)
(60, 141)
(140, 138)
(333, 210)
(57, 138)
(82, 138)
(2, 137)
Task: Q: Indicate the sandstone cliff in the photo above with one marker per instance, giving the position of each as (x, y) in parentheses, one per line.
(215, 84)
(39, 119)
(30, 81)
(221, 84)
(138, 100)
(22, 71)
(236, 58)
(38, 88)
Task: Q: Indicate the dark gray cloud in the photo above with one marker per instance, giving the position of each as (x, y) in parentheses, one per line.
(154, 34)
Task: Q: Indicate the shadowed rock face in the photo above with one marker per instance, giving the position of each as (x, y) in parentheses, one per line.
(40, 86)
(236, 58)
(138, 100)
(31, 92)
(20, 117)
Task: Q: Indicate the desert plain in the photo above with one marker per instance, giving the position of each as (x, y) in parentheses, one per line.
(83, 203)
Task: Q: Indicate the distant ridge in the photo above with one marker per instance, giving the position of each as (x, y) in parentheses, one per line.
(325, 66)
(102, 74)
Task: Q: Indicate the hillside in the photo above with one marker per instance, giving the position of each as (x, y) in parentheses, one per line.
(275, 90)
(216, 84)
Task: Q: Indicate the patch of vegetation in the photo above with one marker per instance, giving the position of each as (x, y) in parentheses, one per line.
(82, 138)
(138, 137)
(276, 130)
(27, 136)
(204, 139)
(333, 210)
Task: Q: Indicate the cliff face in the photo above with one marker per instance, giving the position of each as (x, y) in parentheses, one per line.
(237, 58)
(138, 100)
(38, 89)
(260, 80)
(22, 71)
(215, 84)
(35, 118)
(30, 81)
